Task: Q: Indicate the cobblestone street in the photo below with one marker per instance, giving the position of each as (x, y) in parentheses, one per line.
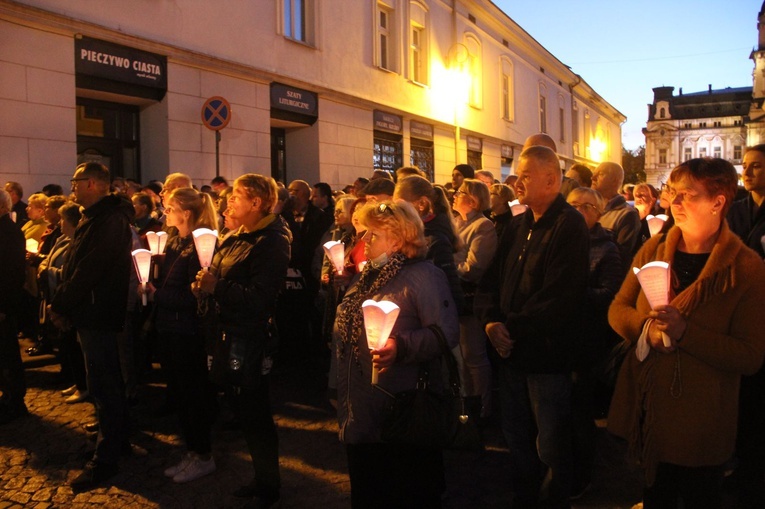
(41, 453)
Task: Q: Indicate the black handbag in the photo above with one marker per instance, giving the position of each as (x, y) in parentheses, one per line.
(421, 416)
(237, 360)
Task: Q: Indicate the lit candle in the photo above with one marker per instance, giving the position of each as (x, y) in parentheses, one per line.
(379, 318)
(205, 241)
(335, 250)
(142, 264)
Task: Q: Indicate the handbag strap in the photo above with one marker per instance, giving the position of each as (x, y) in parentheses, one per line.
(451, 362)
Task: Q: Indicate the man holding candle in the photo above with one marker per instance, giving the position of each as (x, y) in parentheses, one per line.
(93, 298)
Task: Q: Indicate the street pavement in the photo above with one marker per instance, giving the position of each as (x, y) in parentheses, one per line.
(39, 454)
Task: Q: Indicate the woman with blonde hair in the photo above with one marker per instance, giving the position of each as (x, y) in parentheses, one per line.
(676, 398)
(177, 324)
(385, 474)
(244, 280)
(479, 244)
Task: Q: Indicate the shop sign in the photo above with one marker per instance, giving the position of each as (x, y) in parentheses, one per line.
(103, 59)
(293, 99)
(420, 130)
(474, 144)
(388, 122)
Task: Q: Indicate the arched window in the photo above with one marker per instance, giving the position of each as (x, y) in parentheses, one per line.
(507, 89)
(662, 113)
(476, 70)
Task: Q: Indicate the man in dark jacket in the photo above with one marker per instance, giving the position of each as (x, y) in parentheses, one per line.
(93, 298)
(538, 279)
(12, 269)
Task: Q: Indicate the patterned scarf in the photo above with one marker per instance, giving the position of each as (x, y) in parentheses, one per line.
(350, 322)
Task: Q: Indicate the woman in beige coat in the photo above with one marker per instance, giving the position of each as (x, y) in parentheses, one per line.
(677, 407)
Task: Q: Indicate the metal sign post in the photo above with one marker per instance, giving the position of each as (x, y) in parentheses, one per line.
(216, 114)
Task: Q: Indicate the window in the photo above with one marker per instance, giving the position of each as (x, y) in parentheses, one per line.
(703, 152)
(702, 124)
(385, 38)
(575, 127)
(716, 123)
(542, 109)
(737, 122)
(736, 151)
(587, 132)
(662, 113)
(475, 65)
(687, 125)
(508, 92)
(421, 156)
(687, 153)
(418, 43)
(717, 151)
(298, 20)
(662, 156)
(561, 119)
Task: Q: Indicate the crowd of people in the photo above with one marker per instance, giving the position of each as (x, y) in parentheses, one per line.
(529, 283)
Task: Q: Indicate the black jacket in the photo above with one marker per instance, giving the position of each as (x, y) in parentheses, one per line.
(537, 286)
(749, 229)
(176, 306)
(94, 288)
(251, 267)
(441, 243)
(12, 264)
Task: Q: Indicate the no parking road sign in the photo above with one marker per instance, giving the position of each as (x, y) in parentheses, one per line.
(216, 113)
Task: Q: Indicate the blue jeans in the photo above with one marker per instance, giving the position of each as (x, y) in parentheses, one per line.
(536, 423)
(102, 364)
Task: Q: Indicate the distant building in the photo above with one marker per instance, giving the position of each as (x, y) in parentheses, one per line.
(712, 123)
(319, 90)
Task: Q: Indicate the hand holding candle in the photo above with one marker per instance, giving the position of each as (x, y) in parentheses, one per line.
(142, 264)
(379, 318)
(335, 251)
(157, 242)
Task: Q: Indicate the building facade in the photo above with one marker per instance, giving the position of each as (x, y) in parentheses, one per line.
(316, 90)
(712, 123)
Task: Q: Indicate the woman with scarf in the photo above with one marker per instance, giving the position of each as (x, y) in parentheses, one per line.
(677, 406)
(390, 474)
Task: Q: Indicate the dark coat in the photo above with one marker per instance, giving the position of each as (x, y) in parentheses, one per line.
(441, 243)
(537, 286)
(12, 264)
(749, 229)
(176, 306)
(94, 288)
(251, 267)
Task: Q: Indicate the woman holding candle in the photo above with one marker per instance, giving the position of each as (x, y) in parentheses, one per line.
(176, 322)
(245, 277)
(678, 407)
(390, 474)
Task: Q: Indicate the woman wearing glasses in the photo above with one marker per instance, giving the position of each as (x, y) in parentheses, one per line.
(678, 406)
(390, 474)
(479, 243)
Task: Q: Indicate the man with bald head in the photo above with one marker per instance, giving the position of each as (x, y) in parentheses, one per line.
(619, 218)
(530, 302)
(544, 140)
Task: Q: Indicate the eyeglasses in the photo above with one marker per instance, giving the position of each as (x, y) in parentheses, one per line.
(459, 193)
(72, 181)
(580, 206)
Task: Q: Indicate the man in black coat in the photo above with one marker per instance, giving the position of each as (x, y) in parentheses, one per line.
(93, 298)
(12, 269)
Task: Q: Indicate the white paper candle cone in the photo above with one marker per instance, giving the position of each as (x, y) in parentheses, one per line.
(516, 207)
(379, 318)
(32, 245)
(205, 241)
(157, 242)
(142, 264)
(336, 253)
(655, 223)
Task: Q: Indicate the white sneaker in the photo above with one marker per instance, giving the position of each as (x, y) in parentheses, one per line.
(196, 469)
(69, 391)
(77, 397)
(179, 467)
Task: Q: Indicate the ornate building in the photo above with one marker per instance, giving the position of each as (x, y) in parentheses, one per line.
(321, 90)
(712, 123)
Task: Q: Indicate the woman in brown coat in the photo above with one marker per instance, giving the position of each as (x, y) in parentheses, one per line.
(677, 407)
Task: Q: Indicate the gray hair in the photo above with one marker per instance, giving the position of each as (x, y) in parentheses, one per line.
(5, 202)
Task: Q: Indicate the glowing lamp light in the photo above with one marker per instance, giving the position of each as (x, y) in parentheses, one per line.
(516, 207)
(32, 245)
(205, 241)
(597, 148)
(142, 264)
(335, 250)
(379, 318)
(656, 223)
(157, 242)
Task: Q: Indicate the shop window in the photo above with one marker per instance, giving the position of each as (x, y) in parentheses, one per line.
(388, 151)
(421, 156)
(475, 159)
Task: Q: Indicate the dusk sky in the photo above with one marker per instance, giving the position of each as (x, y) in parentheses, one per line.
(623, 49)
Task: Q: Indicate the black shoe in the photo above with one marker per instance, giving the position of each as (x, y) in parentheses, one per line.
(10, 413)
(92, 475)
(92, 427)
(261, 502)
(34, 351)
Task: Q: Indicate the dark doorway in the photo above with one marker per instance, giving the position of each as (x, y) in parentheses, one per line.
(109, 133)
(279, 155)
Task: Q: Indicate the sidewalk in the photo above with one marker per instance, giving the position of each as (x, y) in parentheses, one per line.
(41, 453)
